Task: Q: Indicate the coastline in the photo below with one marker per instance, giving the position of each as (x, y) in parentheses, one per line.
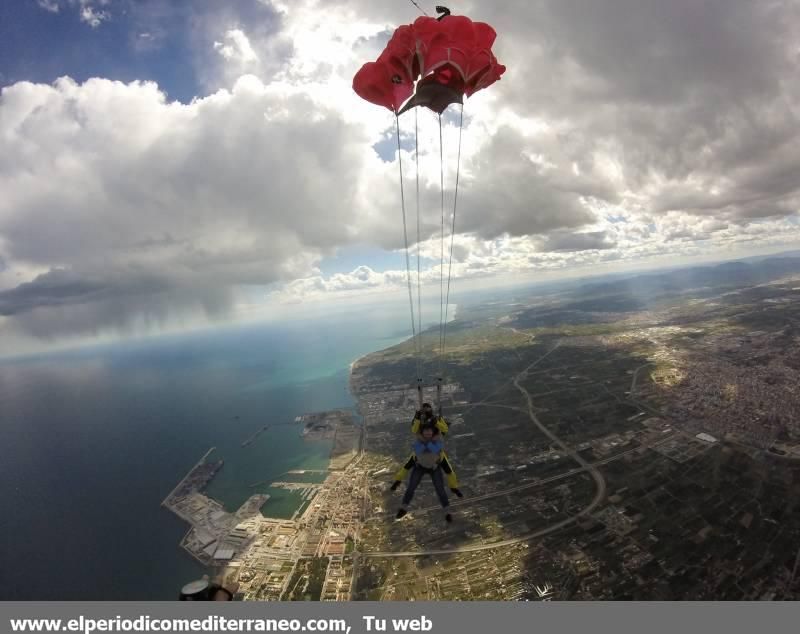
(357, 360)
(353, 365)
(187, 404)
(451, 317)
(350, 388)
(336, 503)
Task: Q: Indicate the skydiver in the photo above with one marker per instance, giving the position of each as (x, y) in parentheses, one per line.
(427, 417)
(427, 454)
(422, 418)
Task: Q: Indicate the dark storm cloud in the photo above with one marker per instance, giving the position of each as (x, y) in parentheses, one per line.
(63, 302)
(55, 288)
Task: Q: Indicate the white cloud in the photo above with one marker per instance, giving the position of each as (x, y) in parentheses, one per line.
(49, 5)
(93, 17)
(88, 10)
(112, 183)
(236, 47)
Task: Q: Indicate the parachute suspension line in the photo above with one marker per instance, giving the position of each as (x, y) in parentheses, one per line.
(441, 257)
(405, 239)
(418, 7)
(419, 248)
(453, 230)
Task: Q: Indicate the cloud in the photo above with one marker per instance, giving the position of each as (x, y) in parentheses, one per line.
(105, 178)
(236, 47)
(697, 117)
(568, 241)
(88, 10)
(232, 39)
(49, 5)
(64, 304)
(514, 190)
(92, 16)
(58, 287)
(623, 131)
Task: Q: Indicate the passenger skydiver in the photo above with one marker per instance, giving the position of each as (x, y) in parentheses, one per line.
(427, 453)
(426, 418)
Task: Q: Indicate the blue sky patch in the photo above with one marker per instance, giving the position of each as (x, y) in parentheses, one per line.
(151, 40)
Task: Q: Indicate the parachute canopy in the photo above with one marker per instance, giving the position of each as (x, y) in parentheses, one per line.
(451, 57)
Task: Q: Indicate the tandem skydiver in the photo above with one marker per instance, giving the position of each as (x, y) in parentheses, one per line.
(426, 417)
(427, 460)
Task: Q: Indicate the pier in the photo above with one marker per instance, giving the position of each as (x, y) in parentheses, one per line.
(255, 435)
(186, 477)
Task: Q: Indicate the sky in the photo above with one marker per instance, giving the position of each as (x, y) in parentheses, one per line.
(168, 165)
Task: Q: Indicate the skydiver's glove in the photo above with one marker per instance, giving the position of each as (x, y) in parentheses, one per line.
(395, 484)
(458, 492)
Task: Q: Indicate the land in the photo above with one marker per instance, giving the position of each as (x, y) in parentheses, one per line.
(274, 558)
(634, 439)
(215, 534)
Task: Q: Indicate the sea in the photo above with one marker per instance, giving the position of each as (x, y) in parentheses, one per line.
(92, 440)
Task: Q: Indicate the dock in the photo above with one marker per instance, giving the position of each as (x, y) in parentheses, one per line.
(255, 435)
(191, 471)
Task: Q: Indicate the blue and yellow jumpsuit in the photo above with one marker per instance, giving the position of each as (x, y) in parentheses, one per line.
(442, 428)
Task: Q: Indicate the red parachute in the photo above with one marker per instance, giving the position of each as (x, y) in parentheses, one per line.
(432, 63)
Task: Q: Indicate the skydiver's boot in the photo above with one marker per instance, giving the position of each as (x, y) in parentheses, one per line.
(401, 512)
(448, 517)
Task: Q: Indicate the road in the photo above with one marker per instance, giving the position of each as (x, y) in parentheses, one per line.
(528, 485)
(600, 494)
(636, 377)
(525, 371)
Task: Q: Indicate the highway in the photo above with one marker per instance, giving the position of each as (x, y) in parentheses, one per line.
(531, 485)
(636, 377)
(594, 471)
(478, 547)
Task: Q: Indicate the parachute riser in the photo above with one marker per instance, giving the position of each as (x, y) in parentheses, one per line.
(439, 396)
